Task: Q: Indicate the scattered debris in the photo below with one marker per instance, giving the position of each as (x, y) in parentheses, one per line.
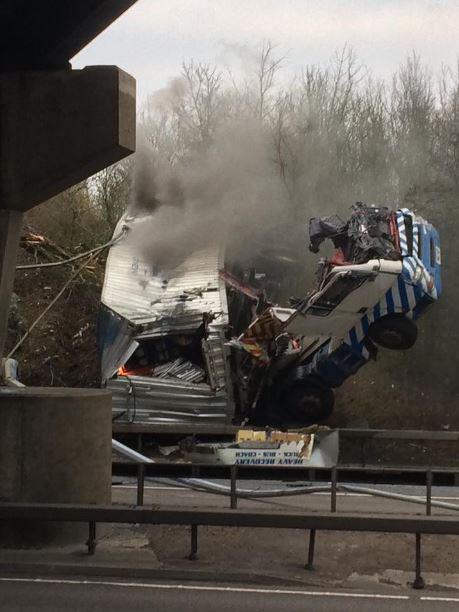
(317, 447)
(370, 233)
(9, 373)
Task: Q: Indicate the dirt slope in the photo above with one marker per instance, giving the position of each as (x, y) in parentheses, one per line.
(61, 350)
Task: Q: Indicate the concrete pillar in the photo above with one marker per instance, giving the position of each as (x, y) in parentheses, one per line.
(10, 228)
(55, 447)
(57, 127)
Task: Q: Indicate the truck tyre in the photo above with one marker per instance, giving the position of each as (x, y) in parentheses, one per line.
(305, 404)
(395, 332)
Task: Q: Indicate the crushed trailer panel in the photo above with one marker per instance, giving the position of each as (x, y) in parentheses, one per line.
(162, 335)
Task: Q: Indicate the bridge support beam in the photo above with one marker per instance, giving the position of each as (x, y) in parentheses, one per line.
(57, 127)
(10, 228)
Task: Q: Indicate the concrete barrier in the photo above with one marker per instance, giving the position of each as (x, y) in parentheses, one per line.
(55, 447)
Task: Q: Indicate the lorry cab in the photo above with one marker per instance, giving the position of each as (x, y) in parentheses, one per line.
(361, 302)
(380, 298)
(347, 294)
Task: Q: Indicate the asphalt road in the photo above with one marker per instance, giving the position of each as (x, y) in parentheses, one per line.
(58, 595)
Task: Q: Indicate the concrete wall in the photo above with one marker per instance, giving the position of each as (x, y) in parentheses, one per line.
(55, 446)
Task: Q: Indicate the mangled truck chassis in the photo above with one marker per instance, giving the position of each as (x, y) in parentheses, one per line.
(204, 343)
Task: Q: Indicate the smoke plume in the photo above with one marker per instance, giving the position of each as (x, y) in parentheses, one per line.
(244, 166)
(227, 194)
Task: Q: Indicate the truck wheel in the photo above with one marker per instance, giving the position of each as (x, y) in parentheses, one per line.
(394, 332)
(306, 404)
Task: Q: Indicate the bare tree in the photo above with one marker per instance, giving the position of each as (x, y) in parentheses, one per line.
(268, 66)
(412, 113)
(110, 194)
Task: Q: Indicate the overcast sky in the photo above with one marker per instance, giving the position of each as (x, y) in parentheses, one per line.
(153, 38)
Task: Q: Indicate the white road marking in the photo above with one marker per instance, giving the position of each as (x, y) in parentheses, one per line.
(189, 587)
(452, 599)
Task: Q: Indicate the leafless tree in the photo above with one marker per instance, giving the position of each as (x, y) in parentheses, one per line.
(268, 65)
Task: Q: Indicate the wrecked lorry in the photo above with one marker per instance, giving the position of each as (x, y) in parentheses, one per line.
(203, 342)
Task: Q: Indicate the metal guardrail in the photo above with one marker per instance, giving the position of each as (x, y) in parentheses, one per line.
(235, 517)
(132, 456)
(235, 470)
(226, 430)
(313, 522)
(93, 514)
(366, 456)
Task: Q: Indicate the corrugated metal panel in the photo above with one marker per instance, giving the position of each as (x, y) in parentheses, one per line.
(158, 303)
(145, 399)
(166, 301)
(115, 341)
(216, 360)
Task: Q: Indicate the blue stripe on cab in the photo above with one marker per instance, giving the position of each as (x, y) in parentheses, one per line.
(390, 302)
(417, 292)
(353, 338)
(365, 325)
(403, 294)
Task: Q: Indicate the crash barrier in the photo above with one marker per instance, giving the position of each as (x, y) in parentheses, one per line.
(164, 515)
(346, 522)
(197, 484)
(361, 450)
(129, 455)
(233, 492)
(322, 461)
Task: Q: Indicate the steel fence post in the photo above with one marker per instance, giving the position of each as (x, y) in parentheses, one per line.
(334, 480)
(429, 481)
(312, 542)
(418, 579)
(194, 543)
(92, 542)
(233, 487)
(140, 483)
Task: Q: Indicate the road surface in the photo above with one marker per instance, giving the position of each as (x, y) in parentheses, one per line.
(74, 595)
(166, 491)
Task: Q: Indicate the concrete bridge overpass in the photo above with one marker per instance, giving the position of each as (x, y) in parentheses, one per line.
(57, 127)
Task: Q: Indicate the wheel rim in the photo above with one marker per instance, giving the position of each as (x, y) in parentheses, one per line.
(309, 404)
(391, 337)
